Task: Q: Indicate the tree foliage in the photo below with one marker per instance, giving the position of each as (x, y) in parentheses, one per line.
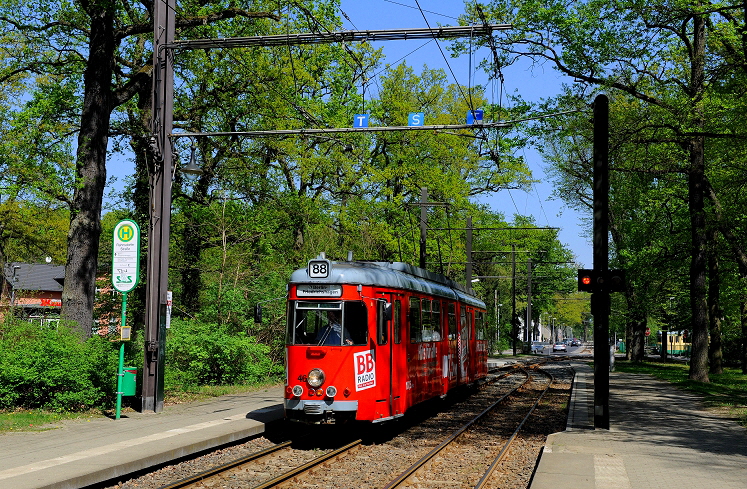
(673, 70)
(262, 206)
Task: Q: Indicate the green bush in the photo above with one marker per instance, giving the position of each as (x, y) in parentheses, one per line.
(54, 369)
(200, 353)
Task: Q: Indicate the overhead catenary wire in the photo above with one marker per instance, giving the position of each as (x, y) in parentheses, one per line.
(448, 65)
(416, 8)
(321, 27)
(339, 36)
(441, 127)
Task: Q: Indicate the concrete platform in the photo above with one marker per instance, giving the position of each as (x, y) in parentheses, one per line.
(659, 437)
(81, 453)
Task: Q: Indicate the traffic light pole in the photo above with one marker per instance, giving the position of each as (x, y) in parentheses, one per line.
(600, 299)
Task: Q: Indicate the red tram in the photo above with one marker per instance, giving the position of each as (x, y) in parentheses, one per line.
(368, 340)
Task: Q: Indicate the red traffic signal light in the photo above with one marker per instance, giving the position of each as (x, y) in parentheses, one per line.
(605, 281)
(586, 280)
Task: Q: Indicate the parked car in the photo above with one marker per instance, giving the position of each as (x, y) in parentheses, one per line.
(538, 347)
(559, 347)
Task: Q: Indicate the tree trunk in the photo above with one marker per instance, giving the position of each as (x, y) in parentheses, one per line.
(743, 343)
(696, 204)
(715, 355)
(79, 289)
(638, 338)
(698, 296)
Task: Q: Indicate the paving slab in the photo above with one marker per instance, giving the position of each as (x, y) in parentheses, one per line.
(85, 452)
(659, 437)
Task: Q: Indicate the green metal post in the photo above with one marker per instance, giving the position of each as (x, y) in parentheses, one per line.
(120, 372)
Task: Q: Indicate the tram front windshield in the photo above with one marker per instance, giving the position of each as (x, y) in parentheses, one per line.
(327, 323)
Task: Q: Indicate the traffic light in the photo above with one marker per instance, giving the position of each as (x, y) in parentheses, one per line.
(587, 281)
(615, 280)
(605, 281)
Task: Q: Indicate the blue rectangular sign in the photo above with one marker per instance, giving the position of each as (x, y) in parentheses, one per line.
(415, 119)
(360, 120)
(474, 116)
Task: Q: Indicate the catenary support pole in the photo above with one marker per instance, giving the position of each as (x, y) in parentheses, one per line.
(423, 226)
(160, 203)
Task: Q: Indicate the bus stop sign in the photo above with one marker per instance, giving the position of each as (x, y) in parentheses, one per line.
(126, 255)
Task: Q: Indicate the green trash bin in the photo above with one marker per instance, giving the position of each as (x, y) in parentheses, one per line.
(128, 381)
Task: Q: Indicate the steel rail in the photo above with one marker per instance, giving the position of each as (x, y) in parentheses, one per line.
(222, 468)
(481, 483)
(425, 458)
(305, 467)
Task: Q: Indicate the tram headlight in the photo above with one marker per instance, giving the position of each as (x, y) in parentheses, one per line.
(315, 378)
(297, 390)
(331, 391)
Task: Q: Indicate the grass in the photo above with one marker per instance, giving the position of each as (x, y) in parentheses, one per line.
(726, 393)
(199, 393)
(35, 420)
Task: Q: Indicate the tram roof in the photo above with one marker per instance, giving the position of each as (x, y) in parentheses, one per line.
(397, 275)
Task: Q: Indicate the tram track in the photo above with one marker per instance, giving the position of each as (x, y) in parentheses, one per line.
(427, 471)
(231, 470)
(404, 476)
(393, 448)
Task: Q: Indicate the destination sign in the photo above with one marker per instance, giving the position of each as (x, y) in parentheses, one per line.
(318, 290)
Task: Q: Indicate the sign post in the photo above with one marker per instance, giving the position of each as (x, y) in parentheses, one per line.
(125, 275)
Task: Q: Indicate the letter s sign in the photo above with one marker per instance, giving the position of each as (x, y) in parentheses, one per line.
(415, 118)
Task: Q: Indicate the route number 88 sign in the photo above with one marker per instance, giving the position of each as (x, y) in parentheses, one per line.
(318, 268)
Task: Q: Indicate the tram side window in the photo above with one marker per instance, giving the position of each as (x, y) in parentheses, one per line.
(479, 325)
(413, 317)
(382, 327)
(436, 320)
(427, 329)
(452, 322)
(396, 323)
(356, 322)
(463, 324)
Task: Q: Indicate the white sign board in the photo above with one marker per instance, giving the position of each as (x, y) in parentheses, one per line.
(314, 290)
(318, 268)
(365, 370)
(126, 255)
(169, 303)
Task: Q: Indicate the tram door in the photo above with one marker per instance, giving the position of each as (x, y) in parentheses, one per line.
(463, 342)
(398, 369)
(391, 356)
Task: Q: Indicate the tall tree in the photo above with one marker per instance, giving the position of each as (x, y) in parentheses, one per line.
(659, 53)
(91, 42)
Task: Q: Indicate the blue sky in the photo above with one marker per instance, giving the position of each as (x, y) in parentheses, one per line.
(530, 84)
